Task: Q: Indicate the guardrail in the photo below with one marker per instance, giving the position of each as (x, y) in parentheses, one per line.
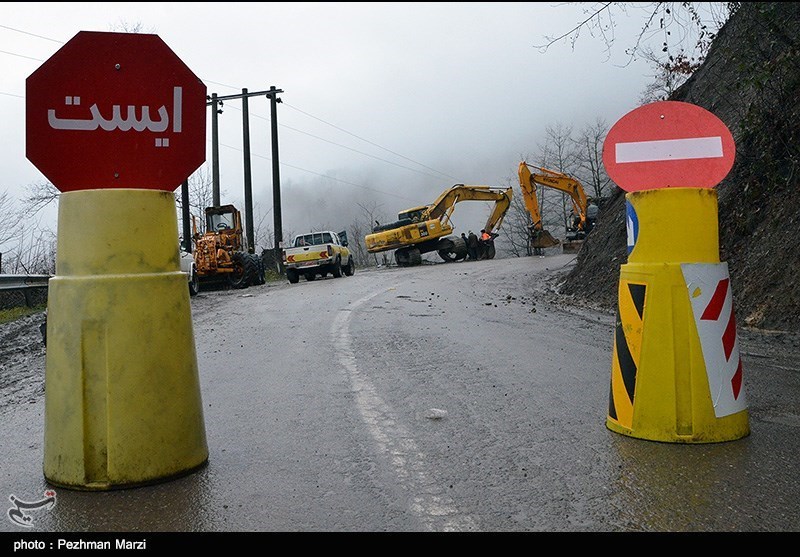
(23, 282)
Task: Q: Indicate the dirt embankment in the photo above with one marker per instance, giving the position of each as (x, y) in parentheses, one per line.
(22, 357)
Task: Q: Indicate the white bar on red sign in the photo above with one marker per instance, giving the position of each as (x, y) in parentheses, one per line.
(670, 150)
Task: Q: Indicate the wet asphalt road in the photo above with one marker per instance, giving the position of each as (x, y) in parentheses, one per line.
(451, 397)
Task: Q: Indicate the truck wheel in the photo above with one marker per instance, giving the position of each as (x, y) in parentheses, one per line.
(350, 268)
(194, 282)
(337, 268)
(293, 276)
(310, 275)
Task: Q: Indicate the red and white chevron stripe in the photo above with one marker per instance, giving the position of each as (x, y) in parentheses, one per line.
(709, 289)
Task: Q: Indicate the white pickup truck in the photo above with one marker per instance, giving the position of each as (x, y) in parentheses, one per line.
(317, 254)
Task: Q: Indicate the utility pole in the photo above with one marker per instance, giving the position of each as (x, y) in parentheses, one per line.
(217, 101)
(215, 150)
(187, 238)
(276, 175)
(248, 180)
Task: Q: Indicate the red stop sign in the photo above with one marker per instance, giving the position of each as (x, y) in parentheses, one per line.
(115, 110)
(668, 144)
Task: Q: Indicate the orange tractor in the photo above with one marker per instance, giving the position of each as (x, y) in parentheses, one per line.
(220, 252)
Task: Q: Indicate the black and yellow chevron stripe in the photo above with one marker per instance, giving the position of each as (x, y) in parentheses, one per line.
(627, 351)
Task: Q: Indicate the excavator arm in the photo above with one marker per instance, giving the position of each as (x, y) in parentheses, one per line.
(528, 187)
(551, 179)
(528, 181)
(444, 205)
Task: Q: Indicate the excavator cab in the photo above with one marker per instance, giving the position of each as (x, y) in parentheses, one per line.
(414, 215)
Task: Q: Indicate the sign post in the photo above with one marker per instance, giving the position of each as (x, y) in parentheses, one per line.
(676, 374)
(116, 121)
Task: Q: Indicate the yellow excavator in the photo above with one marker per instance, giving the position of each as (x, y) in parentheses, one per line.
(427, 228)
(581, 222)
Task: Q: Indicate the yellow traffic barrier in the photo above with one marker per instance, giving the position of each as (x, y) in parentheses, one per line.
(122, 393)
(676, 374)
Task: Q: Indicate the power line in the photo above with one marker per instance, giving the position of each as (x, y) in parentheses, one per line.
(353, 135)
(31, 34)
(11, 95)
(221, 84)
(368, 141)
(323, 175)
(348, 148)
(21, 55)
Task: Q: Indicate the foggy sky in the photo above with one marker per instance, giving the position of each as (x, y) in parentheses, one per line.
(384, 104)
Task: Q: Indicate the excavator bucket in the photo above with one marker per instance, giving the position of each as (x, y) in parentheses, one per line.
(573, 246)
(543, 239)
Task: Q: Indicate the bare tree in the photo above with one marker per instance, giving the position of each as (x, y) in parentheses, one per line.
(201, 195)
(34, 247)
(288, 236)
(123, 26)
(516, 224)
(371, 215)
(356, 235)
(669, 75)
(589, 169)
(682, 31)
(262, 231)
(34, 252)
(685, 30)
(558, 153)
(38, 196)
(8, 228)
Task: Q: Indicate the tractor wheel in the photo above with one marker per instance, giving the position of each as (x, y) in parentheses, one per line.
(243, 270)
(293, 276)
(261, 271)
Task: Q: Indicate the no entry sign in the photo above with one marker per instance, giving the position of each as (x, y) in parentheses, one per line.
(668, 144)
(115, 110)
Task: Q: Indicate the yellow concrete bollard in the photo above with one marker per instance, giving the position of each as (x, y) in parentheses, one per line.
(676, 372)
(122, 393)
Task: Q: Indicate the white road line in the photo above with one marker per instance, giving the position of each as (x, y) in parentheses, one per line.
(430, 503)
(670, 150)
